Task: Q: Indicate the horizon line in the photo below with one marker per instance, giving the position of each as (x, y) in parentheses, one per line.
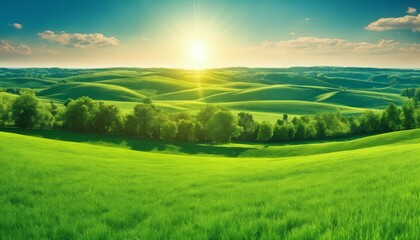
(215, 68)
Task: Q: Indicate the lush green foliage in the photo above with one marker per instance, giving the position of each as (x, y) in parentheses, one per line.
(265, 131)
(28, 112)
(212, 123)
(6, 102)
(222, 126)
(411, 93)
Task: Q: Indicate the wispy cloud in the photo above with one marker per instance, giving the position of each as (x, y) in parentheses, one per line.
(412, 48)
(145, 39)
(17, 25)
(406, 22)
(411, 10)
(316, 51)
(79, 40)
(315, 45)
(307, 19)
(14, 49)
(292, 33)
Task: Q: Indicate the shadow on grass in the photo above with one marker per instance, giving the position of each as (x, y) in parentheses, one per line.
(132, 143)
(161, 146)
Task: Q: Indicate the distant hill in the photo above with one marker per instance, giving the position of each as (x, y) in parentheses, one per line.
(341, 88)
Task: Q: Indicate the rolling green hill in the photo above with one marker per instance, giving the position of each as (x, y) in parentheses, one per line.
(242, 150)
(25, 82)
(67, 185)
(94, 90)
(364, 99)
(65, 190)
(263, 92)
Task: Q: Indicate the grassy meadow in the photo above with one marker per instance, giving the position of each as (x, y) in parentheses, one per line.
(65, 190)
(57, 184)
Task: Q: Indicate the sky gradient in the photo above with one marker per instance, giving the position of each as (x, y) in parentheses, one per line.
(143, 33)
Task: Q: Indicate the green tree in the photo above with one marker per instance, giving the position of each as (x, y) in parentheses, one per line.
(183, 115)
(416, 98)
(417, 94)
(222, 126)
(80, 114)
(131, 126)
(246, 121)
(280, 122)
(6, 103)
(300, 131)
(370, 122)
(265, 132)
(68, 101)
(147, 101)
(169, 130)
(305, 119)
(147, 116)
(392, 118)
(200, 132)
(291, 131)
(408, 121)
(417, 117)
(335, 124)
(45, 119)
(59, 118)
(321, 127)
(53, 108)
(108, 118)
(207, 112)
(186, 131)
(25, 110)
(285, 117)
(354, 124)
(409, 92)
(280, 132)
(310, 132)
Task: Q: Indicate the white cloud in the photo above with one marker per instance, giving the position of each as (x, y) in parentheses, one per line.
(412, 48)
(411, 10)
(292, 33)
(315, 45)
(317, 51)
(17, 25)
(406, 22)
(14, 49)
(307, 19)
(79, 40)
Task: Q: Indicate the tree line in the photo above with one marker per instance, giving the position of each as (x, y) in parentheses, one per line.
(212, 123)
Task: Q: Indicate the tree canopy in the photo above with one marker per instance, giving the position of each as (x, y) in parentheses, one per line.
(212, 123)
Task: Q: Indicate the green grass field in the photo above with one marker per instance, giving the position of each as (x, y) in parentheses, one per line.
(66, 190)
(67, 185)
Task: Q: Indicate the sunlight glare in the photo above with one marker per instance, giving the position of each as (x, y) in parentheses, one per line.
(198, 54)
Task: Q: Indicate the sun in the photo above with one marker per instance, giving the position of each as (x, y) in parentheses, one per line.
(198, 54)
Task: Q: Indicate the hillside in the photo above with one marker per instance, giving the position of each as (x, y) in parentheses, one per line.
(263, 92)
(65, 190)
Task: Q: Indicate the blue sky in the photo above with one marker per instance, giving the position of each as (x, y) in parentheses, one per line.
(235, 33)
